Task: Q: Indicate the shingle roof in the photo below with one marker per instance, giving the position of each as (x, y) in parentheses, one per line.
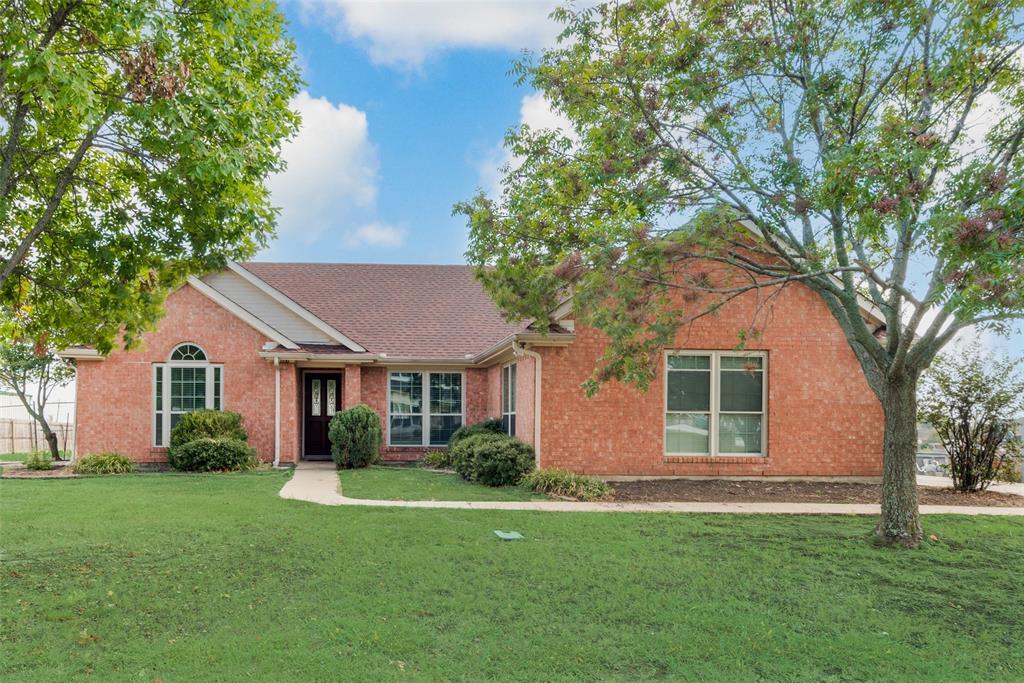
(406, 311)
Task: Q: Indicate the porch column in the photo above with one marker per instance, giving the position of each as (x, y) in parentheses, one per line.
(352, 393)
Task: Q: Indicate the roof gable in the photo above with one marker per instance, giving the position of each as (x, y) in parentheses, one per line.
(401, 311)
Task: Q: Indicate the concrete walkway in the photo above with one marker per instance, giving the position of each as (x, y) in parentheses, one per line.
(317, 482)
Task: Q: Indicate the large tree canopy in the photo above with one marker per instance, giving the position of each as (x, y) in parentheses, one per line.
(135, 139)
(843, 144)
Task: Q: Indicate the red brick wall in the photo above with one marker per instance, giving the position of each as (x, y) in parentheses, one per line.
(115, 395)
(373, 385)
(822, 418)
(526, 379)
(494, 390)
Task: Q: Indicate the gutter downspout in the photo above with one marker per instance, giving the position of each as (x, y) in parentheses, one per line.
(277, 412)
(521, 350)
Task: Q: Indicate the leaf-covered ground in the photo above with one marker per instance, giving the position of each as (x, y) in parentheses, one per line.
(215, 578)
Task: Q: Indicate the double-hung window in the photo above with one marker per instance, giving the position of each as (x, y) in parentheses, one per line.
(715, 403)
(418, 420)
(186, 382)
(508, 399)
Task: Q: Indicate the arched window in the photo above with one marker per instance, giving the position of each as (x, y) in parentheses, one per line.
(187, 352)
(186, 382)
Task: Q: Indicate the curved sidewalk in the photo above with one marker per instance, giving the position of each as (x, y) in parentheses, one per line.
(318, 483)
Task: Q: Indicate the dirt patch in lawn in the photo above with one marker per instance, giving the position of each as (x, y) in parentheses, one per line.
(731, 491)
(19, 471)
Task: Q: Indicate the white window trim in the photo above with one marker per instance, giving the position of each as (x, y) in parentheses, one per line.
(165, 413)
(506, 401)
(715, 404)
(426, 414)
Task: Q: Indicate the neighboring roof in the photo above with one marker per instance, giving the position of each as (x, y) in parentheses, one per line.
(404, 311)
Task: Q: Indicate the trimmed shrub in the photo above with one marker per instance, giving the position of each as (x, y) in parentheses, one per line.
(105, 463)
(438, 460)
(491, 425)
(559, 482)
(492, 459)
(207, 424)
(213, 455)
(355, 436)
(1008, 470)
(39, 460)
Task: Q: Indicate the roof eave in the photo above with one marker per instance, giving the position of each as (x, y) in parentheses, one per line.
(80, 353)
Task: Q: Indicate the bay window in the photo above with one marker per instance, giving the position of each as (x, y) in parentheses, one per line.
(715, 403)
(186, 382)
(413, 421)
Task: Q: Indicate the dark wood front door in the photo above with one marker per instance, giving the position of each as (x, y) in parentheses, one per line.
(322, 399)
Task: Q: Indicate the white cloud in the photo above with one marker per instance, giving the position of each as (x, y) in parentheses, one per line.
(534, 111)
(375, 234)
(405, 32)
(332, 169)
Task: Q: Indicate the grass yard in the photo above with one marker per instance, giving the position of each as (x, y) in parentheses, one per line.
(20, 457)
(215, 578)
(413, 483)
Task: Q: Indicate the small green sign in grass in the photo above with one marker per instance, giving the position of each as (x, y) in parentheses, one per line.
(508, 535)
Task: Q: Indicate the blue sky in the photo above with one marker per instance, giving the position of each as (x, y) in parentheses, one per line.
(404, 111)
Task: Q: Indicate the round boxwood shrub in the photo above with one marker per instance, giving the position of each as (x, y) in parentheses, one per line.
(355, 436)
(104, 463)
(492, 459)
(213, 455)
(208, 424)
(491, 425)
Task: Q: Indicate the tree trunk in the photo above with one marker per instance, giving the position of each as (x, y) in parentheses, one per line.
(900, 522)
(51, 439)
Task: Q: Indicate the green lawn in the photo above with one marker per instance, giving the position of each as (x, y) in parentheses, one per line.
(413, 483)
(215, 578)
(20, 457)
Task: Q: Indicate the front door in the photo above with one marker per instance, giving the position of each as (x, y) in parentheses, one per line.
(322, 398)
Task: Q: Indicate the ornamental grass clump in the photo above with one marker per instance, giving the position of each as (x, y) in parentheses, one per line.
(560, 482)
(104, 463)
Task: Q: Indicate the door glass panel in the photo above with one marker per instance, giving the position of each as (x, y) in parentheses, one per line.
(686, 433)
(332, 396)
(314, 393)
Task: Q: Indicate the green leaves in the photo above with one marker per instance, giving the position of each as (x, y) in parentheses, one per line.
(851, 134)
(188, 111)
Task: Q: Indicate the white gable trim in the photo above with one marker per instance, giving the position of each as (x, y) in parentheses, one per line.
(295, 308)
(247, 317)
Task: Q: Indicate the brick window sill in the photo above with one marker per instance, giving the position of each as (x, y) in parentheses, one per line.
(717, 459)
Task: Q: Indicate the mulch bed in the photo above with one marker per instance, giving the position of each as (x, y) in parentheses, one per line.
(19, 471)
(732, 491)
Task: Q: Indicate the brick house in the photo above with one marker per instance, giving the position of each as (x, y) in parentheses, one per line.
(287, 345)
